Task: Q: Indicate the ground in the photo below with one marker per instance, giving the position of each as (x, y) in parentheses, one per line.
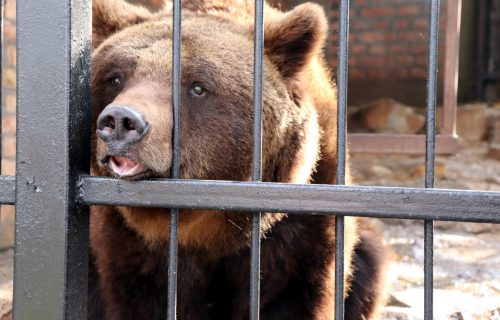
(467, 256)
(6, 273)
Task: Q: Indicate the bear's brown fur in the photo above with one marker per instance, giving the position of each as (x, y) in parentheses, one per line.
(132, 69)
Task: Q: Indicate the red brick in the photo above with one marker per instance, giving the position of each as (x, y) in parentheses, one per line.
(357, 48)
(401, 73)
(9, 77)
(10, 104)
(398, 48)
(404, 60)
(8, 167)
(374, 36)
(373, 61)
(334, 37)
(422, 61)
(9, 124)
(356, 74)
(378, 49)
(409, 10)
(421, 24)
(420, 73)
(360, 25)
(9, 31)
(380, 24)
(10, 9)
(412, 36)
(378, 12)
(419, 48)
(379, 73)
(8, 147)
(401, 24)
(11, 58)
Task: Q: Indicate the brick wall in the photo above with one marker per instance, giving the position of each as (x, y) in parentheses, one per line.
(8, 116)
(388, 48)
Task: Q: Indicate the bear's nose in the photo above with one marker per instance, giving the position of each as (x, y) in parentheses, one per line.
(121, 124)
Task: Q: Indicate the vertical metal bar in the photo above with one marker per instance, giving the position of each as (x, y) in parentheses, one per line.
(453, 22)
(257, 157)
(174, 213)
(342, 72)
(430, 153)
(1, 87)
(53, 143)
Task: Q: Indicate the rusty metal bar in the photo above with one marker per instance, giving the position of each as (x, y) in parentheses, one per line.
(452, 51)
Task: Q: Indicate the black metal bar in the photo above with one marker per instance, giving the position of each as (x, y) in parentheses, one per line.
(339, 267)
(431, 94)
(7, 189)
(428, 268)
(381, 202)
(53, 143)
(176, 105)
(430, 140)
(342, 72)
(257, 156)
(172, 265)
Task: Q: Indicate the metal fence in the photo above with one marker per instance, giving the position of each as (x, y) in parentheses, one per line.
(52, 189)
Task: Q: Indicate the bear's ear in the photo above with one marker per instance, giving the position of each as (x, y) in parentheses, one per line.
(110, 16)
(293, 38)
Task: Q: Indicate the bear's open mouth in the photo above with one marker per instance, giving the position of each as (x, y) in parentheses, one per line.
(126, 168)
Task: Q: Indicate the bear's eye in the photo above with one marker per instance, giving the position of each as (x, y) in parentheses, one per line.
(116, 81)
(197, 90)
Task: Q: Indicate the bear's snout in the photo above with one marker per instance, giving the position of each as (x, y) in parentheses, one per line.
(121, 126)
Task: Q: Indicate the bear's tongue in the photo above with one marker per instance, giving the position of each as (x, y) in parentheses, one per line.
(125, 167)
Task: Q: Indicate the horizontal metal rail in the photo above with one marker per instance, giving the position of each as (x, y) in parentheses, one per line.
(381, 202)
(7, 189)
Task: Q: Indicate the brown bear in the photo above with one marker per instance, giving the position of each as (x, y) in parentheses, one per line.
(132, 120)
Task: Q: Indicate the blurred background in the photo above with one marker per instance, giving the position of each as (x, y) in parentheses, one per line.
(386, 118)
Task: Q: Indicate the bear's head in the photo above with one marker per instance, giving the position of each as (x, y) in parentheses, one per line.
(133, 118)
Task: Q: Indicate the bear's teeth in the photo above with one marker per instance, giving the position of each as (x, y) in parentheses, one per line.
(125, 167)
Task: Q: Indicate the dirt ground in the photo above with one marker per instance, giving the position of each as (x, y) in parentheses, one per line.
(6, 273)
(467, 256)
